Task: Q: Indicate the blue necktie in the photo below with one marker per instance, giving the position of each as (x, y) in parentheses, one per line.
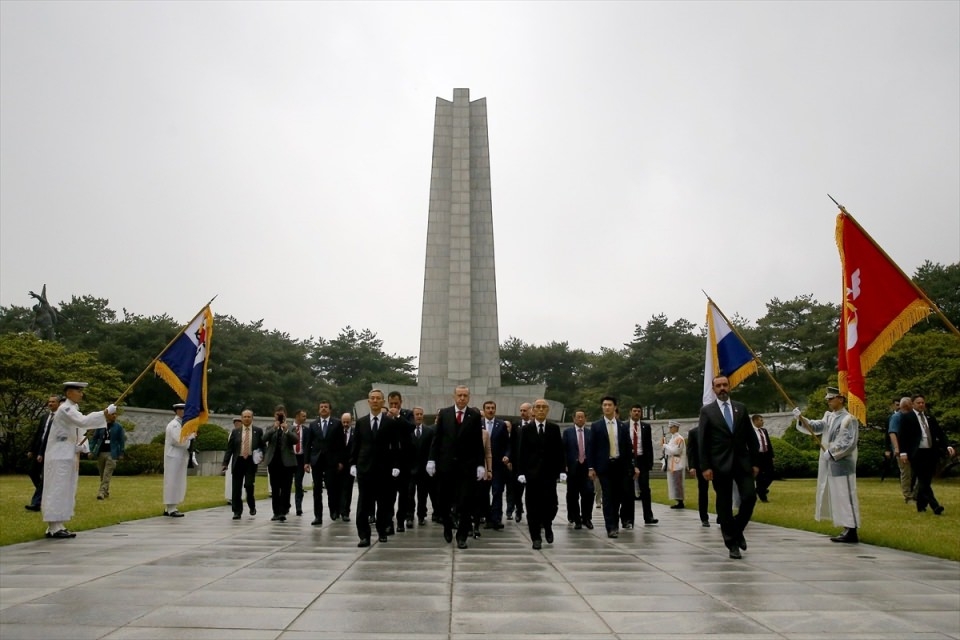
(728, 416)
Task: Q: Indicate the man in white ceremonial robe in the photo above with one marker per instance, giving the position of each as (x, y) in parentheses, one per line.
(675, 449)
(176, 456)
(837, 474)
(60, 462)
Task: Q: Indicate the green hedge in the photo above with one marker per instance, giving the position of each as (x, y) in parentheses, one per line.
(791, 462)
(210, 437)
(138, 458)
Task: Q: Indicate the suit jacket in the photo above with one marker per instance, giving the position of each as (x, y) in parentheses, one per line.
(693, 449)
(645, 460)
(376, 453)
(421, 450)
(316, 443)
(541, 457)
(572, 448)
(282, 440)
(911, 433)
(765, 457)
(458, 448)
(235, 443)
(600, 455)
(338, 451)
(39, 443)
(724, 452)
(499, 443)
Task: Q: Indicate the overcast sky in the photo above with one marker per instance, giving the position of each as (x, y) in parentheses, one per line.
(278, 155)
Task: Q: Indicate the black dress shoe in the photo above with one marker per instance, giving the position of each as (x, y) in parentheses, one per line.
(175, 514)
(849, 536)
(679, 505)
(275, 519)
(588, 524)
(735, 553)
(548, 535)
(578, 526)
(364, 542)
(613, 534)
(63, 534)
(400, 528)
(253, 511)
(422, 521)
(316, 523)
(409, 523)
(704, 523)
(299, 512)
(938, 510)
(236, 516)
(651, 521)
(345, 518)
(537, 545)
(742, 543)
(31, 507)
(518, 517)
(283, 518)
(448, 535)
(628, 525)
(476, 533)
(461, 544)
(391, 531)
(383, 539)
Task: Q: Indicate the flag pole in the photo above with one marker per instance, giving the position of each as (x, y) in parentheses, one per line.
(916, 287)
(759, 361)
(162, 351)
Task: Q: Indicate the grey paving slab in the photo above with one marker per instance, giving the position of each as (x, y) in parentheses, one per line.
(207, 576)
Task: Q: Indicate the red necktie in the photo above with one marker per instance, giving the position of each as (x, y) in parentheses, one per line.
(296, 449)
(459, 417)
(636, 441)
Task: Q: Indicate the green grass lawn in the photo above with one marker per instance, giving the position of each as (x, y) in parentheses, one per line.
(131, 498)
(888, 522)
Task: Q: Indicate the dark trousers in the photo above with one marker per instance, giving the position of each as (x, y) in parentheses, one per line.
(642, 486)
(281, 478)
(541, 505)
(703, 497)
(580, 494)
(332, 482)
(345, 481)
(376, 492)
(420, 488)
(501, 478)
(924, 463)
(764, 479)
(404, 497)
(36, 477)
(318, 473)
(298, 484)
(616, 485)
(242, 476)
(732, 526)
(517, 489)
(455, 490)
(481, 502)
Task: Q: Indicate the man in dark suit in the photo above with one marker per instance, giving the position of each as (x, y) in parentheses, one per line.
(245, 449)
(457, 459)
(299, 429)
(539, 465)
(641, 444)
(421, 485)
(375, 462)
(729, 455)
(765, 477)
(922, 444)
(693, 462)
(281, 461)
(500, 457)
(342, 457)
(514, 488)
(316, 443)
(37, 447)
(611, 460)
(576, 445)
(400, 486)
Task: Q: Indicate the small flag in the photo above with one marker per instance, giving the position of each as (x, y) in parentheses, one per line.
(183, 366)
(727, 354)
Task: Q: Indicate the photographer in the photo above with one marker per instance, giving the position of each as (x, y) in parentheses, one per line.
(281, 462)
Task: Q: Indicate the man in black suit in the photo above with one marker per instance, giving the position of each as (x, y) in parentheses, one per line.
(729, 455)
(340, 446)
(400, 486)
(539, 465)
(421, 485)
(611, 460)
(37, 448)
(576, 444)
(245, 449)
(641, 444)
(693, 462)
(765, 477)
(299, 429)
(922, 444)
(457, 459)
(316, 444)
(499, 436)
(375, 462)
(514, 488)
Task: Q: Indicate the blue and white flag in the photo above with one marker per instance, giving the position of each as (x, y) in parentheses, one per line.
(183, 366)
(726, 355)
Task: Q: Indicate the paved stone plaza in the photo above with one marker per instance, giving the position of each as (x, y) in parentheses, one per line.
(206, 576)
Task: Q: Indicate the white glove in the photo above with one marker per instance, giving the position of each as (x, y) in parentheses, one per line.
(826, 455)
(563, 477)
(796, 412)
(481, 473)
(431, 468)
(353, 470)
(395, 472)
(192, 436)
(112, 409)
(522, 479)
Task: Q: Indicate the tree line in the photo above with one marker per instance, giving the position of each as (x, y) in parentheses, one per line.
(661, 368)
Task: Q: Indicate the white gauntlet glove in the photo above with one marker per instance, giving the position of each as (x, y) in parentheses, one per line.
(522, 479)
(395, 472)
(481, 473)
(353, 470)
(563, 477)
(431, 468)
(796, 412)
(112, 409)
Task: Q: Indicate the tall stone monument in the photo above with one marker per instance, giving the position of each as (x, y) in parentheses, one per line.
(459, 332)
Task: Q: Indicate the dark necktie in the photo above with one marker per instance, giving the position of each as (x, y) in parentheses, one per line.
(418, 432)
(541, 429)
(375, 421)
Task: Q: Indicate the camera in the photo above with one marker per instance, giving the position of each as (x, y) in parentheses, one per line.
(281, 418)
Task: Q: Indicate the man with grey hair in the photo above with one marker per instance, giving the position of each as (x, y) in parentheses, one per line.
(515, 489)
(893, 429)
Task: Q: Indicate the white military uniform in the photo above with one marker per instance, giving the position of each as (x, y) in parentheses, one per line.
(61, 464)
(676, 450)
(837, 475)
(176, 456)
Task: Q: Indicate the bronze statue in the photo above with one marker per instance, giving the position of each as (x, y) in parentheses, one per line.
(45, 317)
